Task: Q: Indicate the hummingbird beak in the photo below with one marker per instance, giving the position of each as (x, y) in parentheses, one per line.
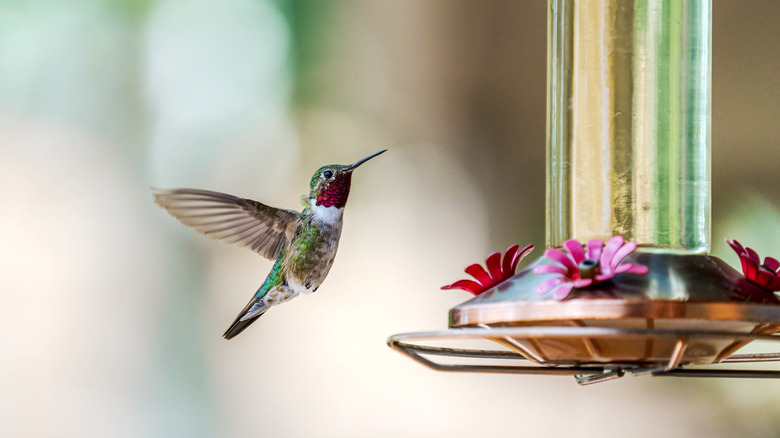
(359, 162)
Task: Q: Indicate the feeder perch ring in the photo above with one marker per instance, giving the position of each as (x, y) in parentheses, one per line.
(495, 360)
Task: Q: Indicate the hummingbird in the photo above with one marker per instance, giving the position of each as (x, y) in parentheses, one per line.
(303, 244)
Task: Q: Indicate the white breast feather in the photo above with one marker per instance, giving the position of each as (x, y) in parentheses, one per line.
(328, 215)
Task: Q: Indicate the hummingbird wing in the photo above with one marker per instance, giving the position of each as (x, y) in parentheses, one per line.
(231, 219)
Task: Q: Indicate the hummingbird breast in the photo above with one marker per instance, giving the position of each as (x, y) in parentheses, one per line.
(311, 252)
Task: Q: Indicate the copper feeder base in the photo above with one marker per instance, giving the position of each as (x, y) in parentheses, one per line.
(688, 310)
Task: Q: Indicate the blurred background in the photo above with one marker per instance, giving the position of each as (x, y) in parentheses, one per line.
(111, 312)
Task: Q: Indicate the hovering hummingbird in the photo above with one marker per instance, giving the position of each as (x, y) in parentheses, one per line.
(303, 244)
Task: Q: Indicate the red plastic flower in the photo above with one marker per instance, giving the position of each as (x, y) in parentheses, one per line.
(497, 272)
(764, 275)
(580, 271)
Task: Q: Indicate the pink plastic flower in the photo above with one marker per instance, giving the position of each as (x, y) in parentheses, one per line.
(764, 275)
(580, 271)
(497, 272)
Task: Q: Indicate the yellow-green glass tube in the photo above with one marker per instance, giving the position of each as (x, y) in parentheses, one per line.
(628, 145)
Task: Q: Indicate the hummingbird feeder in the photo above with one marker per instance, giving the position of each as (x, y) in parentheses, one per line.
(628, 163)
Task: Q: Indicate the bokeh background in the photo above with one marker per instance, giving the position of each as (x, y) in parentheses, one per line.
(111, 312)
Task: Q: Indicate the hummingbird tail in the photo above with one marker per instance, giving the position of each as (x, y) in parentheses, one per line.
(255, 309)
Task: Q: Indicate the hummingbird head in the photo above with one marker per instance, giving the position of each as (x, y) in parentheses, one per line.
(330, 184)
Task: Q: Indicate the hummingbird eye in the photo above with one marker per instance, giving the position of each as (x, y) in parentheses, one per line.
(327, 174)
